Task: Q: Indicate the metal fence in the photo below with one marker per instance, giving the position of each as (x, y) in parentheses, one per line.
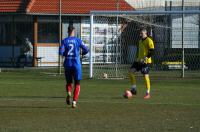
(173, 26)
(31, 32)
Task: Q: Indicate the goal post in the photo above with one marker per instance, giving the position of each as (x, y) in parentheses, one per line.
(114, 36)
(91, 43)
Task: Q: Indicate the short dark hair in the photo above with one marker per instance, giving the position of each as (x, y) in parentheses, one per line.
(143, 29)
(70, 28)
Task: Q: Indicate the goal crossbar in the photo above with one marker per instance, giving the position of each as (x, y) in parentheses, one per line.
(143, 12)
(124, 13)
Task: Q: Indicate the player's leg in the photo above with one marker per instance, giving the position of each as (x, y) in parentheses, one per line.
(132, 71)
(68, 76)
(26, 59)
(133, 82)
(77, 78)
(19, 60)
(68, 91)
(76, 92)
(145, 72)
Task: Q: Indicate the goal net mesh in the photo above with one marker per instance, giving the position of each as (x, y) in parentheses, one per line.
(115, 40)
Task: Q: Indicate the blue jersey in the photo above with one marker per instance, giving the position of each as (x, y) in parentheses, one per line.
(70, 49)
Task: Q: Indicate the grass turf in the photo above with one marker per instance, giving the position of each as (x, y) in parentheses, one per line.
(33, 101)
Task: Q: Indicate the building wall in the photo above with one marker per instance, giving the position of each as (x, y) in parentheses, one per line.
(48, 37)
(14, 29)
(159, 4)
(191, 31)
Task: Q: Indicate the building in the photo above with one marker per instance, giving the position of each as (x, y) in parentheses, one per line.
(38, 20)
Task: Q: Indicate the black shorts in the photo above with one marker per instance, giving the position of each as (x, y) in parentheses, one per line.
(72, 75)
(144, 68)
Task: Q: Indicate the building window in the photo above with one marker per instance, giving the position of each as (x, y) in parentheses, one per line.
(6, 32)
(71, 20)
(13, 29)
(23, 30)
(191, 31)
(48, 32)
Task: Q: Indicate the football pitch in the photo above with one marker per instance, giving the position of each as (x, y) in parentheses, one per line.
(32, 101)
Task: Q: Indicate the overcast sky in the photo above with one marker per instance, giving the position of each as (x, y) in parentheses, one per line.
(153, 3)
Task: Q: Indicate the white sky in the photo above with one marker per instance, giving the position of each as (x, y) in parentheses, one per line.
(159, 3)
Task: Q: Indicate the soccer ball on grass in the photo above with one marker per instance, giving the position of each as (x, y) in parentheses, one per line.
(128, 94)
(105, 75)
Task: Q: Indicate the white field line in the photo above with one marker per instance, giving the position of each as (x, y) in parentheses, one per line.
(94, 101)
(10, 83)
(50, 73)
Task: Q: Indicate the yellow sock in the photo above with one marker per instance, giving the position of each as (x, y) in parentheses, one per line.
(132, 79)
(147, 81)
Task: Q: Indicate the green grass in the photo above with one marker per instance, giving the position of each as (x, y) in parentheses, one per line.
(31, 101)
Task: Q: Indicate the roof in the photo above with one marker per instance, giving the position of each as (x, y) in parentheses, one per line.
(75, 6)
(13, 6)
(68, 6)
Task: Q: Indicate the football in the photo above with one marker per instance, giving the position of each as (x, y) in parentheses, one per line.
(105, 76)
(128, 94)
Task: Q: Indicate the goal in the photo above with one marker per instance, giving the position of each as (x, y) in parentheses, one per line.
(115, 35)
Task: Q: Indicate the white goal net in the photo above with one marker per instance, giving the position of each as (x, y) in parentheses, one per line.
(115, 38)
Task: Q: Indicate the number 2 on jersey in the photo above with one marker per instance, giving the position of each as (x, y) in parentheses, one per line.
(71, 49)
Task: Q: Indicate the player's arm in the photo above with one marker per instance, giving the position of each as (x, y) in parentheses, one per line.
(84, 48)
(137, 53)
(151, 49)
(62, 48)
(150, 53)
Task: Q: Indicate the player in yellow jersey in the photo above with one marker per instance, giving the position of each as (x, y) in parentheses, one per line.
(142, 62)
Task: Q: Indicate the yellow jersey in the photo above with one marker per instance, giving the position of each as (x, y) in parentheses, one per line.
(143, 49)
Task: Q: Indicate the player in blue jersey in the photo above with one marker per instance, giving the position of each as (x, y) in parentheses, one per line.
(70, 49)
